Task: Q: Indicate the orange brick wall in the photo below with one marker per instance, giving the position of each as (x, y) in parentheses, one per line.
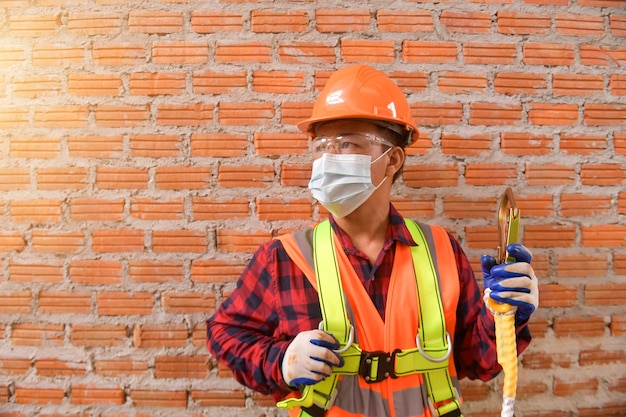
(147, 148)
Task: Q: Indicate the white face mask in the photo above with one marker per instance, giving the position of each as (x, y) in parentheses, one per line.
(342, 182)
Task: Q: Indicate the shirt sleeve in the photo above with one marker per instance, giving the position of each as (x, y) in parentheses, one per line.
(475, 338)
(244, 331)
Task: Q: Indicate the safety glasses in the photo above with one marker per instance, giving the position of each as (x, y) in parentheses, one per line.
(347, 143)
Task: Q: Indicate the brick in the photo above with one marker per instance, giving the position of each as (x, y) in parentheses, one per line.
(577, 84)
(41, 147)
(206, 21)
(40, 396)
(61, 178)
(579, 25)
(490, 174)
(219, 398)
(583, 144)
(57, 55)
(180, 366)
(155, 145)
(155, 22)
(539, 205)
(367, 51)
(618, 328)
(154, 209)
(15, 117)
(117, 303)
(292, 112)
(585, 205)
(540, 360)
(274, 144)
(36, 334)
(605, 294)
(179, 302)
(462, 83)
(14, 366)
(180, 52)
(111, 178)
(430, 175)
(582, 265)
(158, 398)
(182, 177)
(549, 236)
(549, 174)
(617, 85)
(489, 53)
(410, 82)
(436, 114)
(118, 240)
(94, 23)
(62, 116)
(278, 82)
(538, 327)
(599, 356)
(179, 241)
(51, 241)
(33, 26)
(602, 3)
(212, 82)
(12, 241)
(602, 174)
(619, 265)
(245, 113)
(604, 115)
(54, 367)
(342, 20)
(604, 235)
(459, 22)
(36, 86)
(553, 114)
(218, 144)
(255, 176)
(96, 209)
(86, 394)
(404, 21)
(146, 271)
(199, 114)
(429, 52)
(35, 272)
(295, 175)
(160, 335)
(513, 23)
(236, 241)
(513, 143)
(118, 53)
(64, 302)
(461, 145)
(94, 146)
(216, 270)
(484, 237)
(264, 21)
(491, 114)
(17, 178)
(257, 52)
(37, 211)
(617, 24)
(548, 54)
(120, 366)
(95, 272)
(220, 209)
(557, 295)
(122, 115)
(156, 84)
(12, 54)
(102, 335)
(462, 207)
(279, 209)
(294, 52)
(602, 55)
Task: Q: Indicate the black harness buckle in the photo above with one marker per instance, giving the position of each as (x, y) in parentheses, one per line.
(383, 362)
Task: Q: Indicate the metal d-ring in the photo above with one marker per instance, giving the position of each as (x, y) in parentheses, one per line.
(430, 358)
(350, 338)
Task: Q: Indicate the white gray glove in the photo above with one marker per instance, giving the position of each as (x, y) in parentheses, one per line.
(309, 358)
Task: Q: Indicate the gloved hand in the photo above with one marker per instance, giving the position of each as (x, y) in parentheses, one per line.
(309, 358)
(514, 283)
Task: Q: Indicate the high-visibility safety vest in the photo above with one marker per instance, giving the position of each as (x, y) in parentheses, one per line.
(401, 366)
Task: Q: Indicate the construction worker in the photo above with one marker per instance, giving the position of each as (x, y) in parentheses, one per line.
(367, 313)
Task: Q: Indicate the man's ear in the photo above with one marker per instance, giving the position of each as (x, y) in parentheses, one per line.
(396, 160)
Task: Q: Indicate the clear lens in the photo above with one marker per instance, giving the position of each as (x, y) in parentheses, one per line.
(353, 143)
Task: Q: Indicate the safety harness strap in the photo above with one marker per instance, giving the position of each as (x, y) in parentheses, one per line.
(431, 357)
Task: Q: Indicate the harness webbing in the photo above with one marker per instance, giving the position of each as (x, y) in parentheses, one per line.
(430, 357)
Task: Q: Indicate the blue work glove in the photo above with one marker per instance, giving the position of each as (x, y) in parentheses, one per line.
(309, 358)
(513, 283)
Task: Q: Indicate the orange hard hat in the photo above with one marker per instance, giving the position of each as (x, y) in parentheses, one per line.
(362, 92)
